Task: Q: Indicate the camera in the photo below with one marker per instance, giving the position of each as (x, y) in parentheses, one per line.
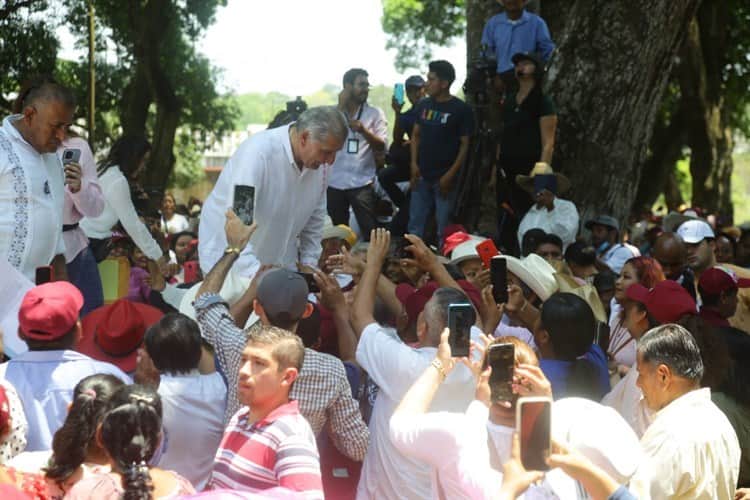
(290, 114)
(481, 71)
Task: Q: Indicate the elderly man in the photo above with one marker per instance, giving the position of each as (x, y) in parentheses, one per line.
(549, 213)
(289, 168)
(700, 242)
(686, 461)
(31, 179)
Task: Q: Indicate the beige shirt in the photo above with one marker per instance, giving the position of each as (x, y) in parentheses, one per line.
(693, 451)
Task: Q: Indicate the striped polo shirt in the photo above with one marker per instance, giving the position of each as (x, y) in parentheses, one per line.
(276, 451)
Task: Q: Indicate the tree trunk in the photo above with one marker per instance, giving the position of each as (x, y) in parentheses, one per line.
(709, 137)
(135, 103)
(611, 69)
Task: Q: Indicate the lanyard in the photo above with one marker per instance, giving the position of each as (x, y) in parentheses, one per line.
(359, 116)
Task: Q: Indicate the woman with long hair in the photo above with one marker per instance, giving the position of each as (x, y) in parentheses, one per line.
(171, 221)
(125, 161)
(621, 350)
(131, 433)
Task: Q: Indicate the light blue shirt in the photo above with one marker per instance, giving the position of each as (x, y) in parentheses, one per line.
(505, 38)
(45, 381)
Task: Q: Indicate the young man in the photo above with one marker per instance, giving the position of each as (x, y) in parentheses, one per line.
(193, 404)
(46, 375)
(289, 168)
(692, 447)
(700, 242)
(516, 30)
(268, 443)
(605, 237)
(352, 174)
(439, 145)
(280, 299)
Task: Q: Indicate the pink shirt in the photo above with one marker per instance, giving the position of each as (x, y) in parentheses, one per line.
(88, 202)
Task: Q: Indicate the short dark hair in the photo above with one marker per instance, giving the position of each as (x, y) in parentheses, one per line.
(604, 281)
(549, 239)
(43, 88)
(67, 341)
(174, 344)
(530, 240)
(126, 153)
(351, 76)
(581, 254)
(173, 239)
(443, 70)
(674, 346)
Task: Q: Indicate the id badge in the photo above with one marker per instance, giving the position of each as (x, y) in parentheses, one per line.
(352, 146)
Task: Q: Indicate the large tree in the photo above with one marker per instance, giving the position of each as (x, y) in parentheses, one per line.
(608, 78)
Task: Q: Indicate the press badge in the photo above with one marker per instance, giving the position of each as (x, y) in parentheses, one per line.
(352, 146)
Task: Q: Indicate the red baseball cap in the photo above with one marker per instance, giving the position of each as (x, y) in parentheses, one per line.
(720, 279)
(49, 311)
(113, 333)
(666, 302)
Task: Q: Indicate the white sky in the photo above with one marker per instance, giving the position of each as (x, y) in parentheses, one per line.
(297, 46)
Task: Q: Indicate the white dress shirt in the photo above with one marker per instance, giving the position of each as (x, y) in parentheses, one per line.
(290, 206)
(119, 207)
(693, 450)
(31, 197)
(562, 221)
(45, 381)
(87, 202)
(354, 170)
(193, 406)
(394, 366)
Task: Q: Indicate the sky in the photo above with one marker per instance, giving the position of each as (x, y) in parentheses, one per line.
(297, 46)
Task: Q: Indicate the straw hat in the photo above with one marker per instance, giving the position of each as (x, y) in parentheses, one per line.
(526, 182)
(535, 272)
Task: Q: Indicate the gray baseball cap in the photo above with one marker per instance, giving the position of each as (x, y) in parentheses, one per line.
(283, 291)
(603, 220)
(414, 81)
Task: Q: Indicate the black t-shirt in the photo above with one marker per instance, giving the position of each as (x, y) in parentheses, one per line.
(441, 126)
(522, 135)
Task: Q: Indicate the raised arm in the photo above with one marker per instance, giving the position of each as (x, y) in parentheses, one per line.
(364, 296)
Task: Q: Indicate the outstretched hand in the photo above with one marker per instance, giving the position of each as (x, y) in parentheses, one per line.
(238, 234)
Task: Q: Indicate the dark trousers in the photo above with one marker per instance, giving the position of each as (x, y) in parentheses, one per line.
(389, 177)
(362, 200)
(512, 201)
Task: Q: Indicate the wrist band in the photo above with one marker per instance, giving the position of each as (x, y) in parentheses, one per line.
(439, 367)
(232, 250)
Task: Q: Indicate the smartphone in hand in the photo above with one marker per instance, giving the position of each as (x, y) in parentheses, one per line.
(71, 156)
(502, 359)
(398, 93)
(244, 203)
(486, 251)
(44, 274)
(533, 424)
(460, 320)
(499, 279)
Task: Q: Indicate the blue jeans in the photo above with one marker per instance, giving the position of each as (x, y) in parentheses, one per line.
(426, 197)
(84, 274)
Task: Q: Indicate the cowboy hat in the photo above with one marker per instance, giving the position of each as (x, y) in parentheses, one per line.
(535, 272)
(526, 182)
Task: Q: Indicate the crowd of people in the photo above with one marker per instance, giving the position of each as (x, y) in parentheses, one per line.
(308, 352)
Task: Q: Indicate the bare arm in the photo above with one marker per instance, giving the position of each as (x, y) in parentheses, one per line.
(415, 136)
(548, 126)
(333, 299)
(60, 268)
(243, 308)
(364, 297)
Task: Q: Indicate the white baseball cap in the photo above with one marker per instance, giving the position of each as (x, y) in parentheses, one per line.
(695, 231)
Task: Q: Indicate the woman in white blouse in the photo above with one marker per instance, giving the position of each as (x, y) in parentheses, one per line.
(125, 161)
(172, 222)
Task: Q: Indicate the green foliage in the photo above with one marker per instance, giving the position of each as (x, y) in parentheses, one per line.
(736, 74)
(188, 169)
(28, 46)
(415, 26)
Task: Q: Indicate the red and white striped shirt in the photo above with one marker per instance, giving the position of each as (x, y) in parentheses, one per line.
(278, 450)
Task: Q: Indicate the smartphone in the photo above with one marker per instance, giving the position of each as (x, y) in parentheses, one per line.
(398, 93)
(533, 424)
(460, 319)
(486, 251)
(311, 284)
(71, 156)
(244, 203)
(499, 279)
(502, 359)
(190, 271)
(44, 274)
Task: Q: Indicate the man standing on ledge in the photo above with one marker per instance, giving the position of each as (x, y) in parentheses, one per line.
(353, 172)
(289, 168)
(439, 144)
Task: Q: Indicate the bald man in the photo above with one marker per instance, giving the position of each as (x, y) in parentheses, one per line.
(670, 251)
